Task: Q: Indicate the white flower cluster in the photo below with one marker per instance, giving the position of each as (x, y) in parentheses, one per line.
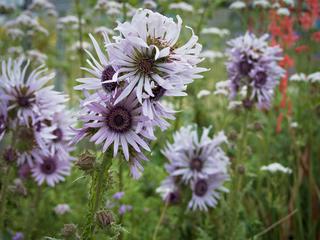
(302, 77)
(24, 25)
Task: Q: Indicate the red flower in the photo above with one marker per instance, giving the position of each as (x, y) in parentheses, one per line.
(279, 121)
(316, 36)
(286, 62)
(301, 49)
(306, 21)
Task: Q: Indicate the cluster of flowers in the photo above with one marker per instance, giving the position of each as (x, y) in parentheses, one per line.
(195, 163)
(145, 63)
(253, 65)
(34, 115)
(24, 25)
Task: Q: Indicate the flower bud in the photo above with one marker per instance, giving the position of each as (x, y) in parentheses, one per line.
(10, 155)
(247, 103)
(86, 161)
(69, 230)
(257, 126)
(104, 218)
(19, 188)
(241, 169)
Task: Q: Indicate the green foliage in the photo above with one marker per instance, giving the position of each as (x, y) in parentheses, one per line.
(261, 199)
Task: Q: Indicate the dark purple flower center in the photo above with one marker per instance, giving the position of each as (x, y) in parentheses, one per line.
(48, 166)
(119, 119)
(201, 187)
(158, 92)
(24, 101)
(58, 134)
(247, 103)
(107, 74)
(196, 164)
(245, 67)
(260, 79)
(173, 197)
(38, 126)
(145, 65)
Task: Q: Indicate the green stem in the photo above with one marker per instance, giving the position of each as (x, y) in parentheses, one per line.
(154, 237)
(32, 218)
(120, 175)
(4, 187)
(97, 191)
(178, 118)
(124, 10)
(79, 15)
(237, 179)
(3, 202)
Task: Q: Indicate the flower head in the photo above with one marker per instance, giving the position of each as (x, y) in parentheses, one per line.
(129, 78)
(62, 209)
(52, 169)
(149, 58)
(199, 158)
(205, 192)
(118, 124)
(196, 162)
(27, 95)
(254, 64)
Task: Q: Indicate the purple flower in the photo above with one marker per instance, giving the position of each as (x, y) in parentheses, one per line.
(51, 170)
(197, 162)
(124, 208)
(103, 74)
(135, 163)
(128, 80)
(150, 60)
(62, 209)
(119, 124)
(168, 188)
(61, 131)
(31, 143)
(27, 95)
(196, 157)
(205, 192)
(118, 195)
(24, 171)
(253, 64)
(36, 115)
(18, 236)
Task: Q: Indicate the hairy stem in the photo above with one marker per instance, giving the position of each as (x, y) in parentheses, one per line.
(97, 191)
(237, 179)
(3, 196)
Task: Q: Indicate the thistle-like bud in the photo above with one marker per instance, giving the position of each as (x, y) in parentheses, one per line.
(86, 161)
(104, 218)
(10, 155)
(69, 230)
(19, 188)
(233, 136)
(257, 126)
(241, 169)
(247, 103)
